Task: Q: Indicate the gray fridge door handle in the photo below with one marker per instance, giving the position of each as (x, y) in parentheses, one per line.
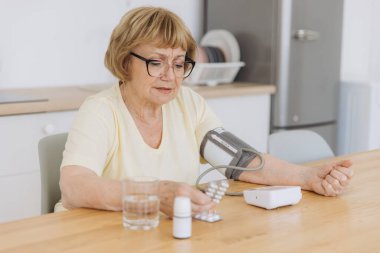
(303, 34)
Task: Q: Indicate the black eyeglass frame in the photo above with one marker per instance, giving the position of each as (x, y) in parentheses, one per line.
(147, 61)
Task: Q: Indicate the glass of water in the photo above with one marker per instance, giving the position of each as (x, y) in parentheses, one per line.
(141, 203)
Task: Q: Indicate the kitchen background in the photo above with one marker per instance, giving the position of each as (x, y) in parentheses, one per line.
(62, 43)
(51, 43)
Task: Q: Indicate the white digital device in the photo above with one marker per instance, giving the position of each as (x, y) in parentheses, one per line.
(271, 197)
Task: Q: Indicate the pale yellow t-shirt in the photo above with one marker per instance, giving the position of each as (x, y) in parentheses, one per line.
(105, 139)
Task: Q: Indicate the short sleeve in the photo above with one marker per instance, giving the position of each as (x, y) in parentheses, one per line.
(90, 136)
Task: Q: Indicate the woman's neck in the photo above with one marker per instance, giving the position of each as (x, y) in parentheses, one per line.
(141, 110)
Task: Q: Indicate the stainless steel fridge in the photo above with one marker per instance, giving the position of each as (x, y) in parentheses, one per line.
(295, 44)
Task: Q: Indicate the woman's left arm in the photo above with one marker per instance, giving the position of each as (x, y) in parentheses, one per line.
(329, 180)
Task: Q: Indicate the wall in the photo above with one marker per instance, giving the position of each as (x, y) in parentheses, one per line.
(356, 45)
(361, 41)
(62, 42)
(359, 112)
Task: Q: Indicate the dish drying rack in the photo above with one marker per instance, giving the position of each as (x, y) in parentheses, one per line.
(212, 74)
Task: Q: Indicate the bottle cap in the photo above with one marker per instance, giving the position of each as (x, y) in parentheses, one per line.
(182, 206)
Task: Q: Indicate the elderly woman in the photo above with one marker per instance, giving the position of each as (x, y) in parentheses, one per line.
(148, 124)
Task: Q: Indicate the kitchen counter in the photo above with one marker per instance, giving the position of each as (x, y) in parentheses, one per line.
(70, 98)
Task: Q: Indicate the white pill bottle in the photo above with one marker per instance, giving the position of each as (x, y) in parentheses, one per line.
(182, 218)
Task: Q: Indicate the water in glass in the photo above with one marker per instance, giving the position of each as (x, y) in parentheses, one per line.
(141, 211)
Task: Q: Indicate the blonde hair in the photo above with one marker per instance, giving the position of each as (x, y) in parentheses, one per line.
(146, 25)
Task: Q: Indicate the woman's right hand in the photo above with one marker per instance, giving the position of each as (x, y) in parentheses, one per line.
(170, 189)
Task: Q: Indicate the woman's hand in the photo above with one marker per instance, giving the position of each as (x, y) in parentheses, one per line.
(331, 179)
(170, 189)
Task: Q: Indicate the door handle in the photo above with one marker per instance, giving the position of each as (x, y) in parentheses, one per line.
(49, 129)
(303, 34)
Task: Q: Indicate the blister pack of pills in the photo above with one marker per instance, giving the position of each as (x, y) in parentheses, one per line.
(208, 216)
(215, 190)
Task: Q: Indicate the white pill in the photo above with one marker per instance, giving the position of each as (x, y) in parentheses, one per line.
(221, 193)
(213, 185)
(211, 190)
(210, 194)
(224, 184)
(217, 216)
(204, 217)
(211, 219)
(218, 197)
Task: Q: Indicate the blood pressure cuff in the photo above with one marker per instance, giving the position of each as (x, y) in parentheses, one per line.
(244, 161)
(220, 147)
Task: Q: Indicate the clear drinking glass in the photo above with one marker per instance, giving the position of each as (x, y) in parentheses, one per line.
(141, 203)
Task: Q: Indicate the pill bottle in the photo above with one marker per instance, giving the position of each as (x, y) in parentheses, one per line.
(182, 218)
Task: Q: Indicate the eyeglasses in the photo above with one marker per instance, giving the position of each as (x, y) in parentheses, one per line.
(157, 68)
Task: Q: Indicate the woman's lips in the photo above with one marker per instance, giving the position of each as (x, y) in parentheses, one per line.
(164, 90)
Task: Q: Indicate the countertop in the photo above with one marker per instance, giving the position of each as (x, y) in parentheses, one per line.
(53, 99)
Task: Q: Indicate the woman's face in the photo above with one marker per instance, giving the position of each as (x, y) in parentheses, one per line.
(158, 89)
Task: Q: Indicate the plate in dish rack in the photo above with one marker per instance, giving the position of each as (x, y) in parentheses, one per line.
(224, 40)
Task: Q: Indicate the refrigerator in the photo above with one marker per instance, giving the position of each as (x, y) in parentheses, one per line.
(294, 44)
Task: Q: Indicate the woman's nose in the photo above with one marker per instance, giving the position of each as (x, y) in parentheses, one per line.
(169, 72)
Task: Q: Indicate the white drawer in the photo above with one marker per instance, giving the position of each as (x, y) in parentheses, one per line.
(19, 136)
(20, 196)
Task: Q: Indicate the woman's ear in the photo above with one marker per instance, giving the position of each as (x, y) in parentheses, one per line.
(126, 67)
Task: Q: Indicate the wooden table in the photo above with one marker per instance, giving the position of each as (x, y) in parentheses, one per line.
(349, 223)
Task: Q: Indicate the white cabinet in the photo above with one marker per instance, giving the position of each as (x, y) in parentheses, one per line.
(247, 117)
(19, 164)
